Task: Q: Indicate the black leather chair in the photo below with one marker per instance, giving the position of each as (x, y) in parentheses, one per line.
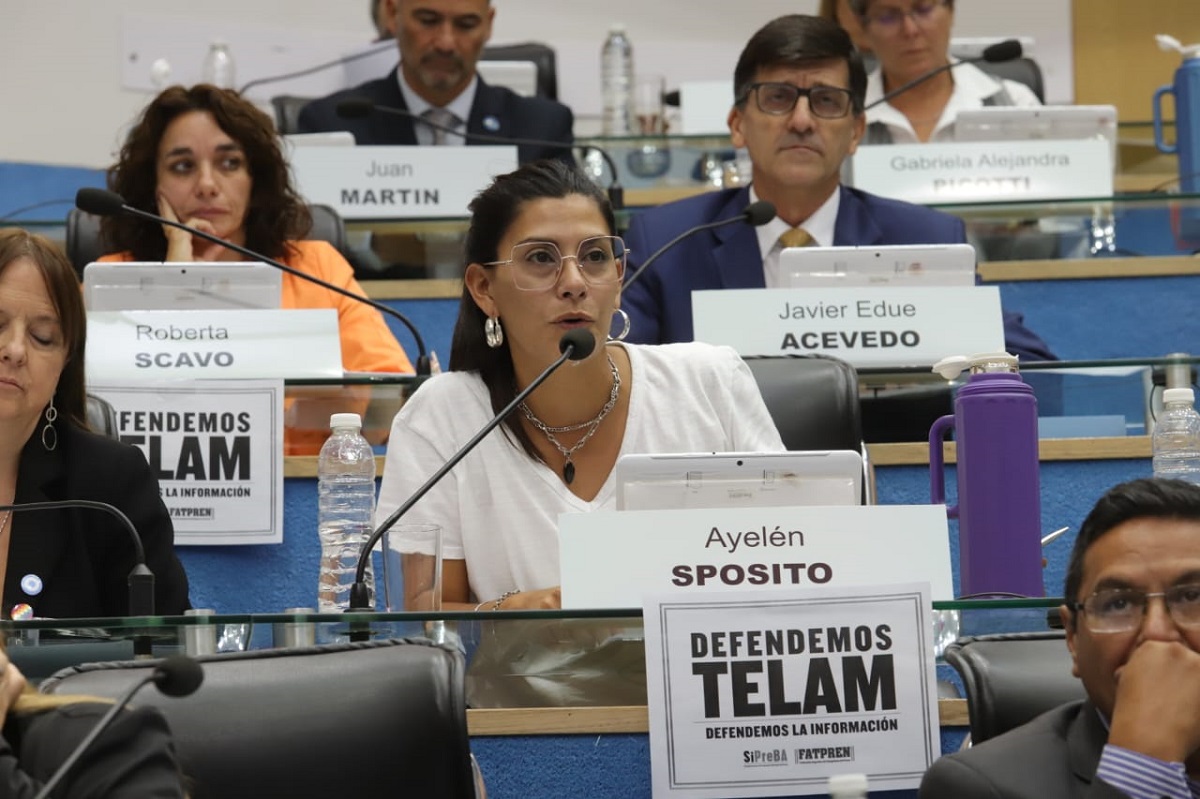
(368, 720)
(1022, 70)
(1012, 678)
(542, 56)
(287, 112)
(101, 416)
(814, 403)
(84, 243)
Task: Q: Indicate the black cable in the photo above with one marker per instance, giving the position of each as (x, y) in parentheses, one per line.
(35, 206)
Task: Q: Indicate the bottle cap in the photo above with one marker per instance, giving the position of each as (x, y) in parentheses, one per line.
(953, 366)
(1168, 43)
(345, 420)
(1179, 395)
(616, 27)
(848, 785)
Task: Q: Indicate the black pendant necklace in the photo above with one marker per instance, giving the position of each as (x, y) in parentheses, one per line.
(568, 472)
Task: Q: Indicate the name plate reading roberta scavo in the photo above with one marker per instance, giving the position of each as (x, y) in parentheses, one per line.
(394, 182)
(134, 346)
(955, 172)
(865, 326)
(701, 550)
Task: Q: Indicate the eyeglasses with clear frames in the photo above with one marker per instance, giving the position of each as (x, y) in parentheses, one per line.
(536, 265)
(777, 99)
(1119, 610)
(890, 19)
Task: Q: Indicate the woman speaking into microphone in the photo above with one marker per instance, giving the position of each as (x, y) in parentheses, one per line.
(543, 258)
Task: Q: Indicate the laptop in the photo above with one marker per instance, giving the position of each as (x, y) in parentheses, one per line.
(901, 265)
(738, 479)
(181, 286)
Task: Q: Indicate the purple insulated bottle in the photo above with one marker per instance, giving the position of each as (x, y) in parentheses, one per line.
(999, 493)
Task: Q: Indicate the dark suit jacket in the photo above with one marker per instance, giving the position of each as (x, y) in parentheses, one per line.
(497, 111)
(133, 759)
(659, 304)
(81, 556)
(1052, 757)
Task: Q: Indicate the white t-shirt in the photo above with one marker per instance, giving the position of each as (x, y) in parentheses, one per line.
(972, 87)
(498, 509)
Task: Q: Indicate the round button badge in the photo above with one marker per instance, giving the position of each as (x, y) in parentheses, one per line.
(31, 584)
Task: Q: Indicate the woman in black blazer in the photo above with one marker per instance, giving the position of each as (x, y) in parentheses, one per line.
(67, 563)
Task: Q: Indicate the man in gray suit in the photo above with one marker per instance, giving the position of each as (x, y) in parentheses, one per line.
(1133, 629)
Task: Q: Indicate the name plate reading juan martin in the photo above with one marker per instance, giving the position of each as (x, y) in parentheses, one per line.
(135, 346)
(398, 182)
(864, 326)
(955, 172)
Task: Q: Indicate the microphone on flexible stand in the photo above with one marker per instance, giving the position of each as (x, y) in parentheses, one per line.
(358, 107)
(755, 214)
(575, 345)
(1007, 50)
(141, 579)
(375, 49)
(108, 203)
(178, 675)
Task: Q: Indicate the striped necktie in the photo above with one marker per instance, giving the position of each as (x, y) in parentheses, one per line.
(440, 116)
(796, 237)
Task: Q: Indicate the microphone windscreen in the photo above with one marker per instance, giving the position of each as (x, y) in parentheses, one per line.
(582, 340)
(355, 107)
(759, 213)
(178, 675)
(1006, 50)
(99, 202)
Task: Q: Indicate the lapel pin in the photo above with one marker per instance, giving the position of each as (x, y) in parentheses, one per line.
(491, 123)
(31, 584)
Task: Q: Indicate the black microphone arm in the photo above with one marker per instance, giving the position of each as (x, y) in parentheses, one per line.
(379, 47)
(1006, 50)
(355, 107)
(755, 214)
(108, 203)
(575, 345)
(141, 579)
(176, 676)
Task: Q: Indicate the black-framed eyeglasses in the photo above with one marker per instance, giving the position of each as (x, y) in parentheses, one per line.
(890, 19)
(536, 265)
(1119, 610)
(777, 99)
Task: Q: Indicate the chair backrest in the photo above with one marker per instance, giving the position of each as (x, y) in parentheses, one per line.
(287, 112)
(542, 56)
(85, 244)
(102, 417)
(812, 400)
(1012, 678)
(1022, 70)
(375, 719)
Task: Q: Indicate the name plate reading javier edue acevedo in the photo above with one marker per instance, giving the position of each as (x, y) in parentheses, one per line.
(865, 326)
(136, 346)
(770, 693)
(953, 172)
(394, 182)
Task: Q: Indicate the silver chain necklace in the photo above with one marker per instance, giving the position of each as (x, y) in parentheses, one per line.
(591, 425)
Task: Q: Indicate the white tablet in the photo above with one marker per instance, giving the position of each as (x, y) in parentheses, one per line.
(183, 286)
(738, 480)
(907, 265)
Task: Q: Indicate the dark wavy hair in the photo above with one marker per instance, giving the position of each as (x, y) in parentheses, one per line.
(798, 39)
(1148, 498)
(62, 284)
(275, 214)
(493, 212)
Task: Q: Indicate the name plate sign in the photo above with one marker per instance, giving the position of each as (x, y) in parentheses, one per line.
(699, 550)
(397, 182)
(956, 172)
(864, 326)
(768, 693)
(135, 346)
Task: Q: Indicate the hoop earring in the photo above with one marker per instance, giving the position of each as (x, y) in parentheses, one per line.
(49, 434)
(624, 326)
(492, 332)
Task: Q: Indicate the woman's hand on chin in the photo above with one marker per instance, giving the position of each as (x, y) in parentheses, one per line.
(181, 245)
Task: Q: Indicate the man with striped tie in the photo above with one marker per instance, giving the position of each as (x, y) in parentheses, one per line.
(799, 86)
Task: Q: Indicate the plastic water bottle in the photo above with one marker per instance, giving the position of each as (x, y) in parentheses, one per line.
(1176, 439)
(218, 66)
(616, 82)
(346, 509)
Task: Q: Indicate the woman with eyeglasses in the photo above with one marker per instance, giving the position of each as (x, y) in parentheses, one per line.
(543, 259)
(911, 38)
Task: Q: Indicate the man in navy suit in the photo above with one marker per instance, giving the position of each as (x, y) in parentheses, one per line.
(799, 86)
(440, 44)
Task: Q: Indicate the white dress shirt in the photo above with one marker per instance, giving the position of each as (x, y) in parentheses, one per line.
(819, 225)
(460, 106)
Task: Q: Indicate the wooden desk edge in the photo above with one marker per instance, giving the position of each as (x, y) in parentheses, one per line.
(613, 720)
